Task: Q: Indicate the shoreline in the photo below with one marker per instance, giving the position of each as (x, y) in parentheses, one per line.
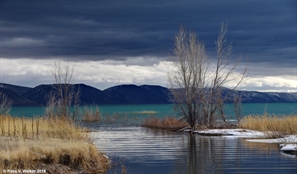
(287, 144)
(52, 156)
(48, 146)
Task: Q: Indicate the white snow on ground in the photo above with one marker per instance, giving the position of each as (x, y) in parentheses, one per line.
(287, 141)
(244, 133)
(289, 147)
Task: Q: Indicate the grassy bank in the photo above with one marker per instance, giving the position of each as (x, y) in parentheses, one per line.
(274, 126)
(168, 123)
(56, 145)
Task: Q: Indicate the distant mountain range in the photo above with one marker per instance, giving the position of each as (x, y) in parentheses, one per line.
(124, 94)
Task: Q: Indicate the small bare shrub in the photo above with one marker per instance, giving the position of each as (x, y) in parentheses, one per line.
(91, 114)
(170, 123)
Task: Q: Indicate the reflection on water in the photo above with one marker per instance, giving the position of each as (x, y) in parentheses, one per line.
(146, 151)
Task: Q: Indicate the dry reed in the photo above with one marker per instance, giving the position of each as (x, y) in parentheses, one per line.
(148, 112)
(94, 114)
(91, 114)
(54, 127)
(170, 123)
(27, 143)
(274, 126)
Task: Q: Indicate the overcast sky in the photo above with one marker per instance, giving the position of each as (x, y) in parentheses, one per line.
(112, 42)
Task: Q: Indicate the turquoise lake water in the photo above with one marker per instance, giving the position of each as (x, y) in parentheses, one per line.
(167, 109)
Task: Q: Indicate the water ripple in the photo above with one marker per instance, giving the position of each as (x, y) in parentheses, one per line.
(146, 151)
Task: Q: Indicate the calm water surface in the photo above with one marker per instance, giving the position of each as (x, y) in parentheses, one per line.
(144, 151)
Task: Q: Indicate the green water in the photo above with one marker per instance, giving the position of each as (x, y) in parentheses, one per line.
(161, 110)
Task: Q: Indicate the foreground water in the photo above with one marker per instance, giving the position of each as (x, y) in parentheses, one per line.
(146, 151)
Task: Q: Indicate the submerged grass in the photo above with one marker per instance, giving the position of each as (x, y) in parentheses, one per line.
(274, 126)
(148, 112)
(91, 114)
(53, 144)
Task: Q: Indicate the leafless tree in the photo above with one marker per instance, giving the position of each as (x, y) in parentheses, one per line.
(237, 106)
(5, 103)
(188, 76)
(65, 95)
(195, 87)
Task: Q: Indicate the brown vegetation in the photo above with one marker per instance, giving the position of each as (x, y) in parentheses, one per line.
(274, 126)
(169, 123)
(54, 144)
(64, 95)
(91, 114)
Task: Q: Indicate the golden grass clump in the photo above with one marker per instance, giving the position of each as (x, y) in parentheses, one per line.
(45, 127)
(53, 144)
(275, 126)
(170, 123)
(29, 154)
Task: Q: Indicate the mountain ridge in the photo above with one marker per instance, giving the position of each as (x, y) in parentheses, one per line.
(125, 94)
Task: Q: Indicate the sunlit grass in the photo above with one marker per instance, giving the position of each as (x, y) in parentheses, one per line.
(274, 126)
(45, 127)
(28, 142)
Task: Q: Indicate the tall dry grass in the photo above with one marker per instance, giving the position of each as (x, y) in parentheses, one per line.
(91, 114)
(42, 127)
(274, 126)
(170, 123)
(27, 143)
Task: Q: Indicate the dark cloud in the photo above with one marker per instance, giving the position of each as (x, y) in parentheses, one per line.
(262, 31)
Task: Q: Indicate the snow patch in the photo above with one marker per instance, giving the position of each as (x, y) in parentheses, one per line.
(287, 139)
(289, 147)
(232, 133)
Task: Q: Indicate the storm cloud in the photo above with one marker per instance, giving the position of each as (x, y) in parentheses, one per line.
(98, 30)
(142, 32)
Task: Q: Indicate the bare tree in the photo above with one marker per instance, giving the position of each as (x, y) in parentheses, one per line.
(65, 95)
(5, 103)
(195, 88)
(237, 106)
(188, 76)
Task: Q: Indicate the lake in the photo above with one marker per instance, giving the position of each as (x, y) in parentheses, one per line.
(167, 109)
(146, 151)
